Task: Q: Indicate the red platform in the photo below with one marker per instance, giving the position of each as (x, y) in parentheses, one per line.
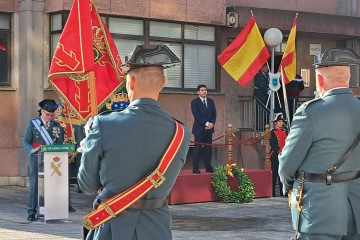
(191, 188)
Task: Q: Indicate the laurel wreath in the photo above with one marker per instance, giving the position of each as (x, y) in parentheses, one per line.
(245, 193)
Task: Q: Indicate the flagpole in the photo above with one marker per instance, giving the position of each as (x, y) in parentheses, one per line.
(93, 101)
(285, 98)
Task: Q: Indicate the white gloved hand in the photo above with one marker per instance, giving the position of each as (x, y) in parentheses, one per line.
(88, 125)
(80, 148)
(269, 92)
(35, 149)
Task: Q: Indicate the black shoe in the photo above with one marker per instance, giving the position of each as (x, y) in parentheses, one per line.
(197, 171)
(71, 209)
(31, 217)
(79, 191)
(210, 170)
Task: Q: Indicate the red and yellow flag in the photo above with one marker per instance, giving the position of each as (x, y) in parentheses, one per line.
(288, 61)
(85, 46)
(243, 58)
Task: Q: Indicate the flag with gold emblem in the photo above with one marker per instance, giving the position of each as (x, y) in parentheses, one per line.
(85, 49)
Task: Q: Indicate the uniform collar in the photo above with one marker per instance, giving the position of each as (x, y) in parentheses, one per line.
(339, 90)
(144, 101)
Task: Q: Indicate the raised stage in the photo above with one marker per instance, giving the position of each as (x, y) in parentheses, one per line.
(191, 188)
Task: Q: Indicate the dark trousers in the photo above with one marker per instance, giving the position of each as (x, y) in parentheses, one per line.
(203, 150)
(275, 173)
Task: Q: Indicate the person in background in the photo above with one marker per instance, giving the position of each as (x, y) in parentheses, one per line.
(293, 90)
(40, 131)
(261, 89)
(277, 142)
(318, 166)
(204, 113)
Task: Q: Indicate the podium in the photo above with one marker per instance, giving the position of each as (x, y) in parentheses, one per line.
(53, 181)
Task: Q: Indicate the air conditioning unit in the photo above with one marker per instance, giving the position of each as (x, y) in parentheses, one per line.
(232, 19)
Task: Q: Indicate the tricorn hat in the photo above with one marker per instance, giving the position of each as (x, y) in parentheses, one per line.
(337, 57)
(48, 105)
(150, 56)
(277, 117)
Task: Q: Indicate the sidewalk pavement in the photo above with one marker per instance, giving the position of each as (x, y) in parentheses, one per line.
(264, 218)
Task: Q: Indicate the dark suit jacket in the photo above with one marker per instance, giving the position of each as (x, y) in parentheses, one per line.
(261, 87)
(202, 114)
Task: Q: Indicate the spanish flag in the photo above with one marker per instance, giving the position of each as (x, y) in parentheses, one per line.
(243, 58)
(288, 61)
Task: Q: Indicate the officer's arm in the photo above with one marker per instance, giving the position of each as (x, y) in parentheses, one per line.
(296, 147)
(28, 138)
(274, 144)
(88, 176)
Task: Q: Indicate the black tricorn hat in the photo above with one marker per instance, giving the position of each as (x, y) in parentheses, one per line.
(151, 56)
(48, 105)
(277, 117)
(337, 57)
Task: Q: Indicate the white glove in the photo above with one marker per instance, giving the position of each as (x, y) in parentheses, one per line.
(35, 149)
(80, 148)
(88, 125)
(269, 92)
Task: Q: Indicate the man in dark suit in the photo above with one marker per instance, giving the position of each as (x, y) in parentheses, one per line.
(261, 89)
(204, 112)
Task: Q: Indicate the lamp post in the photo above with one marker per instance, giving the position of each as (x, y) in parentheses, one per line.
(272, 37)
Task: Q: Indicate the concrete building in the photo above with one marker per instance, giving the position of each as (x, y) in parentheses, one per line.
(196, 30)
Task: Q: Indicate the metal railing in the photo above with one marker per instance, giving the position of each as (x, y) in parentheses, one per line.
(253, 116)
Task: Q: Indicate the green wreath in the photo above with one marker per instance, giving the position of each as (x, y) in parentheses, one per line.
(246, 192)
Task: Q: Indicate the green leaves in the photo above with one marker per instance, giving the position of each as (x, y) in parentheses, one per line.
(245, 193)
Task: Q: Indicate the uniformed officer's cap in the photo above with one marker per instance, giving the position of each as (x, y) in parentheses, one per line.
(337, 57)
(48, 105)
(278, 117)
(151, 56)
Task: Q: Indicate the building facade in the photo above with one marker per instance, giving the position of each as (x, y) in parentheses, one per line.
(196, 31)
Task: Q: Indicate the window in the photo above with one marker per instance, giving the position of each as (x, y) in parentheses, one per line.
(305, 74)
(5, 33)
(193, 44)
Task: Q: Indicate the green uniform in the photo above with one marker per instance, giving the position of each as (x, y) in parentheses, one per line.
(122, 148)
(322, 132)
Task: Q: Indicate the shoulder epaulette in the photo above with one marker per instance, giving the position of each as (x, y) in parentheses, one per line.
(305, 104)
(106, 112)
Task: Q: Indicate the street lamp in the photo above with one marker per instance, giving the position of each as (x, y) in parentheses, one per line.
(272, 37)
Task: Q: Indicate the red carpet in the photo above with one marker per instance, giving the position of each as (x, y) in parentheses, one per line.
(191, 188)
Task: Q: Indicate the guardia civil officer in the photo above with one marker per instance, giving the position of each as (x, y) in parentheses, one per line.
(325, 195)
(123, 147)
(40, 131)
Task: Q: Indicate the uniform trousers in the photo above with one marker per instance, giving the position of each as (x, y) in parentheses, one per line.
(351, 233)
(32, 200)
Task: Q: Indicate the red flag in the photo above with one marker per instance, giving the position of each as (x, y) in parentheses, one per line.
(85, 45)
(243, 58)
(288, 61)
(2, 47)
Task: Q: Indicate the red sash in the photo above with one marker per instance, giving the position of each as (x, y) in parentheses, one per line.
(120, 202)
